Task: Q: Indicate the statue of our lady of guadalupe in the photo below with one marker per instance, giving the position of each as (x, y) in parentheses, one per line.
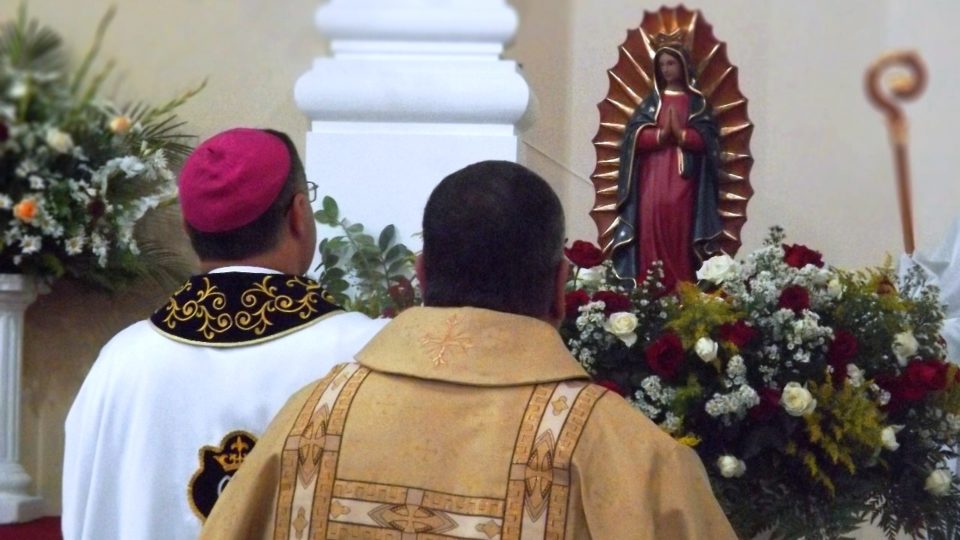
(668, 179)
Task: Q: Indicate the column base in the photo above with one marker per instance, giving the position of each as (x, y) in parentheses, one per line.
(20, 508)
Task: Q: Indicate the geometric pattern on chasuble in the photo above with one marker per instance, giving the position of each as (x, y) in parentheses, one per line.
(310, 453)
(539, 485)
(314, 504)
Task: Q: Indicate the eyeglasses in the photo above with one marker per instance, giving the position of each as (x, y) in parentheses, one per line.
(311, 191)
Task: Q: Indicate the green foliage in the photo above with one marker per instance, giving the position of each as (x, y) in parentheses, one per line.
(373, 276)
(698, 313)
(845, 429)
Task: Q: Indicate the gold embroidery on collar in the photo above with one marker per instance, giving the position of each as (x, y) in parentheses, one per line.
(205, 306)
(261, 300)
(438, 347)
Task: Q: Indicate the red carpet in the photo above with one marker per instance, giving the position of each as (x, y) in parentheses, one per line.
(47, 528)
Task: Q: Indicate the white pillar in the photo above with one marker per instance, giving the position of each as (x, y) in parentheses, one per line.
(414, 90)
(16, 504)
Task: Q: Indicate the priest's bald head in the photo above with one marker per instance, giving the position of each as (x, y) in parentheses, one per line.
(493, 236)
(245, 201)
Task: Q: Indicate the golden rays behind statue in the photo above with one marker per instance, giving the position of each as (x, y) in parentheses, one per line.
(673, 149)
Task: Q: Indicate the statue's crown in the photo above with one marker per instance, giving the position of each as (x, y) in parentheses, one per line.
(673, 40)
(231, 461)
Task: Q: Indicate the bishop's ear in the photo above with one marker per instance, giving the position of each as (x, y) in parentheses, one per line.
(300, 217)
(421, 273)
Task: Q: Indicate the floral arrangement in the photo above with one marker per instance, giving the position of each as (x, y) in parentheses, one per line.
(817, 398)
(77, 172)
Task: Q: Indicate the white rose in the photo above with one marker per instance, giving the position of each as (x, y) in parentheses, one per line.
(590, 277)
(718, 269)
(905, 346)
(888, 437)
(835, 289)
(623, 325)
(59, 141)
(731, 467)
(855, 375)
(706, 349)
(797, 400)
(938, 483)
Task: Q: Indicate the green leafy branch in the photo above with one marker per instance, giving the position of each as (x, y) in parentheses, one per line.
(373, 276)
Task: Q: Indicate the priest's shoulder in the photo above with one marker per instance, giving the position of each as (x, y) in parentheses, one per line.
(300, 397)
(614, 418)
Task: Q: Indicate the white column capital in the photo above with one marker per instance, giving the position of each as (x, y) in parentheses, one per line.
(416, 61)
(482, 23)
(413, 90)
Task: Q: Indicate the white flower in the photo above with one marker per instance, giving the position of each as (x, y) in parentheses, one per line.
(623, 325)
(59, 141)
(30, 244)
(855, 375)
(706, 349)
(938, 483)
(36, 182)
(131, 166)
(797, 400)
(6, 202)
(730, 466)
(834, 289)
(100, 247)
(888, 437)
(74, 245)
(18, 89)
(590, 277)
(905, 346)
(718, 269)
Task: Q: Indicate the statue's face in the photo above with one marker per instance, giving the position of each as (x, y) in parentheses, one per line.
(670, 68)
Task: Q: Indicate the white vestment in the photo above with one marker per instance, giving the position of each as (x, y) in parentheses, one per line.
(942, 268)
(135, 434)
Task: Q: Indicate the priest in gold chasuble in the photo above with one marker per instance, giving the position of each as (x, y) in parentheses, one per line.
(469, 418)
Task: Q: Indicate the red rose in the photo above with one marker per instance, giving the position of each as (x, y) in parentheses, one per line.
(665, 356)
(799, 256)
(794, 297)
(768, 406)
(738, 333)
(612, 386)
(929, 375)
(575, 299)
(614, 302)
(402, 292)
(584, 254)
(918, 379)
(842, 349)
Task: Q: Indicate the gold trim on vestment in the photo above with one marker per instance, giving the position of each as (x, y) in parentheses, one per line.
(264, 339)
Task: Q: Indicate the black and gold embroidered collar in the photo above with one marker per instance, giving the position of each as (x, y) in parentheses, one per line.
(231, 309)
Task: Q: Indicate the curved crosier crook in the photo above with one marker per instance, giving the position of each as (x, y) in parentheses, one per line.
(904, 87)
